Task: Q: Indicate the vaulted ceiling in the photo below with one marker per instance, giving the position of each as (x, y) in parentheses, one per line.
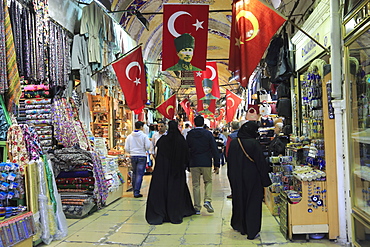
(218, 34)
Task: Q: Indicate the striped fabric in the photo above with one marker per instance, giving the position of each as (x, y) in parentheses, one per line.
(14, 90)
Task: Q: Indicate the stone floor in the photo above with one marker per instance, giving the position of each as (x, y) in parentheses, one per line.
(122, 223)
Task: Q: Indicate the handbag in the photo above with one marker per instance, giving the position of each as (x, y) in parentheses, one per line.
(265, 109)
(264, 96)
(251, 114)
(265, 178)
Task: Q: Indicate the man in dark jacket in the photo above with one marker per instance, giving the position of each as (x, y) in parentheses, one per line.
(202, 149)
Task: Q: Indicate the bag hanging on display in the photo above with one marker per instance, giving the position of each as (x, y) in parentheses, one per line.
(284, 69)
(264, 96)
(265, 109)
(251, 114)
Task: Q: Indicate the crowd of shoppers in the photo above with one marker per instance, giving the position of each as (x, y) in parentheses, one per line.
(198, 150)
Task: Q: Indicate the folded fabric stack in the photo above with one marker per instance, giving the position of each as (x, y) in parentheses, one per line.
(35, 108)
(76, 188)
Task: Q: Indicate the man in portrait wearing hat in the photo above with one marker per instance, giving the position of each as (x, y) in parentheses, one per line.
(184, 47)
(206, 104)
(207, 89)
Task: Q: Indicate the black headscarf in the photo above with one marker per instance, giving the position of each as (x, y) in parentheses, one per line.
(248, 130)
(174, 146)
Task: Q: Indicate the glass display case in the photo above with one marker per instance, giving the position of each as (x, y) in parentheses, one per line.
(357, 48)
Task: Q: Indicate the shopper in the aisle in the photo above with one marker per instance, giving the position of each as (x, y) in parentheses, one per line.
(162, 128)
(137, 144)
(230, 137)
(186, 130)
(203, 149)
(248, 174)
(169, 197)
(220, 143)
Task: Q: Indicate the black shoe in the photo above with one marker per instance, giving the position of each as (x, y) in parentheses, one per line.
(229, 196)
(138, 196)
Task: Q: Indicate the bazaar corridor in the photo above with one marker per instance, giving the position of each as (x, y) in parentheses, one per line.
(122, 223)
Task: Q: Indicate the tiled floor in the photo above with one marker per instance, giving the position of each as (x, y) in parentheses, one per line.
(122, 223)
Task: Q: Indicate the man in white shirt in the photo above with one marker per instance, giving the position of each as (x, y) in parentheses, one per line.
(186, 130)
(162, 128)
(137, 144)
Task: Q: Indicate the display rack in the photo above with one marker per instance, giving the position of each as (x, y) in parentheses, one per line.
(100, 116)
(308, 216)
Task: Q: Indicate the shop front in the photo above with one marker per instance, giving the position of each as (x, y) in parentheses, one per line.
(356, 29)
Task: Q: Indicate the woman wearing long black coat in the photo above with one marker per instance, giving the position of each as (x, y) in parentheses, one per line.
(169, 197)
(245, 181)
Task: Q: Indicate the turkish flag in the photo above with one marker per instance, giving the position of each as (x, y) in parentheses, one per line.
(185, 104)
(211, 106)
(252, 27)
(130, 73)
(191, 117)
(207, 78)
(179, 19)
(167, 108)
(232, 103)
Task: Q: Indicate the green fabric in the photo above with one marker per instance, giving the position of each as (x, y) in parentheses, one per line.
(8, 119)
(49, 178)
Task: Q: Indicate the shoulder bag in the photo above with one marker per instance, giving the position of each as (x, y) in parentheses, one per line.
(265, 178)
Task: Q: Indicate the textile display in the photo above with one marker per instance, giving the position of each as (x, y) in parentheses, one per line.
(14, 86)
(32, 189)
(59, 55)
(17, 146)
(247, 51)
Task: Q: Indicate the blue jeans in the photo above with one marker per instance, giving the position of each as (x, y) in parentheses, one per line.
(138, 164)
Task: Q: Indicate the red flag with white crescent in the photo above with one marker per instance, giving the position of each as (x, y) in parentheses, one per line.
(130, 73)
(167, 108)
(232, 103)
(180, 21)
(206, 82)
(185, 104)
(252, 27)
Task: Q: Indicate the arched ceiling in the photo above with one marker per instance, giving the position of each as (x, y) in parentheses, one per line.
(217, 48)
(218, 34)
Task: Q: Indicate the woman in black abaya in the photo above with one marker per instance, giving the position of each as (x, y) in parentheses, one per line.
(245, 181)
(169, 197)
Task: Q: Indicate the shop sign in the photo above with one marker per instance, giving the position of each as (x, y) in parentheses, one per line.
(307, 49)
(187, 79)
(359, 18)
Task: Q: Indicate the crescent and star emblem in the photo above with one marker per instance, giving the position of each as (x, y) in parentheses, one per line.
(213, 71)
(232, 102)
(172, 19)
(187, 104)
(251, 34)
(168, 108)
(129, 67)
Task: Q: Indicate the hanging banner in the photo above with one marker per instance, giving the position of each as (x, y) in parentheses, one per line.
(130, 73)
(167, 108)
(232, 103)
(185, 37)
(185, 104)
(252, 27)
(207, 107)
(206, 82)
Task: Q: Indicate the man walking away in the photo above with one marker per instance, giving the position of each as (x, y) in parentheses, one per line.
(202, 149)
(137, 144)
